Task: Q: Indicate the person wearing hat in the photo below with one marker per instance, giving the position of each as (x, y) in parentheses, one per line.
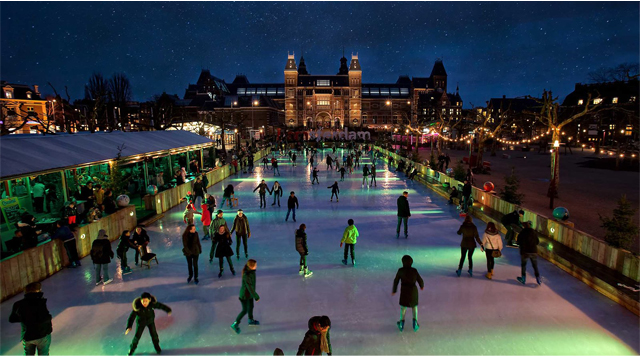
(145, 317)
(217, 222)
(241, 227)
(101, 255)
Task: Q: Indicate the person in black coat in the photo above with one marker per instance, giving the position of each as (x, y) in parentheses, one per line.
(101, 255)
(408, 276)
(199, 190)
(334, 191)
(277, 192)
(263, 193)
(191, 248)
(470, 236)
(69, 241)
(247, 295)
(145, 317)
(292, 205)
(35, 319)
(508, 221)
(121, 251)
(403, 214)
(109, 203)
(303, 250)
(224, 250)
(140, 238)
(318, 338)
(466, 195)
(528, 241)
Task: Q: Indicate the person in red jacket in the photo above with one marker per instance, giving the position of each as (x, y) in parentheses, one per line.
(206, 221)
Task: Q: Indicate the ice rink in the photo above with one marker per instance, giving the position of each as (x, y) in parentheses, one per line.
(458, 315)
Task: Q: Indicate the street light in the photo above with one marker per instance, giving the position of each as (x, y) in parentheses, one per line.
(253, 105)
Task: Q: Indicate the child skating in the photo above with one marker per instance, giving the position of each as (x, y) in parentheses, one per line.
(349, 239)
(334, 191)
(408, 291)
(303, 250)
(144, 316)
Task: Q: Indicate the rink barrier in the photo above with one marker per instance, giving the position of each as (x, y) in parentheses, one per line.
(167, 199)
(40, 262)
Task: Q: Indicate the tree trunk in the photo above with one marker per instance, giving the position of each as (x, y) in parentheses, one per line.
(554, 183)
(618, 156)
(480, 153)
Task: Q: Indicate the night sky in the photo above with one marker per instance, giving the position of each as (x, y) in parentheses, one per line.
(490, 49)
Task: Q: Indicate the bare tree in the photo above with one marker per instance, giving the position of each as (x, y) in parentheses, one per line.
(14, 117)
(621, 72)
(488, 130)
(96, 93)
(119, 95)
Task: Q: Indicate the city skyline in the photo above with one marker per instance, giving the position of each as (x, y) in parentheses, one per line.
(489, 49)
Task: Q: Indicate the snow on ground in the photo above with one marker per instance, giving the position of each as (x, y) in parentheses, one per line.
(457, 315)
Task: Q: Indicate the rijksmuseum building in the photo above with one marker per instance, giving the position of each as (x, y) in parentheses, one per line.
(308, 101)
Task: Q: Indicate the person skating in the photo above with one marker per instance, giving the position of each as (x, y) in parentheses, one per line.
(277, 192)
(69, 242)
(329, 162)
(365, 175)
(318, 338)
(508, 221)
(342, 171)
(469, 233)
(217, 222)
(303, 250)
(247, 295)
(292, 205)
(205, 217)
(492, 242)
(199, 190)
(35, 320)
(241, 227)
(311, 161)
(101, 255)
(334, 191)
(408, 291)
(274, 164)
(403, 214)
(373, 175)
(227, 195)
(263, 193)
(145, 317)
(139, 238)
(265, 163)
(188, 214)
(121, 251)
(191, 249)
(294, 158)
(528, 241)
(224, 250)
(349, 238)
(466, 195)
(211, 205)
(315, 176)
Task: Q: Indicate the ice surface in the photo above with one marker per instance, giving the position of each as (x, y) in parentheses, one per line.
(457, 315)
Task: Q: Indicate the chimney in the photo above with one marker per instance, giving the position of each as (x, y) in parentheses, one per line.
(35, 89)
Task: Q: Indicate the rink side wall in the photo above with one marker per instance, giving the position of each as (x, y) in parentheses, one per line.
(40, 262)
(596, 250)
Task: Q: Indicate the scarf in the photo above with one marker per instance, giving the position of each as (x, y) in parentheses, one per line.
(324, 344)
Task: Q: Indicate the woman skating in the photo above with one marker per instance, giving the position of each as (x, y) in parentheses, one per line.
(247, 295)
(303, 250)
(470, 236)
(317, 339)
(277, 192)
(224, 250)
(334, 191)
(192, 249)
(493, 242)
(408, 291)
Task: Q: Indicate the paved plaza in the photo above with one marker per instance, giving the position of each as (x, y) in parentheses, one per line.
(458, 315)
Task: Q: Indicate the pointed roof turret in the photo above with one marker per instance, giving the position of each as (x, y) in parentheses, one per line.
(355, 63)
(438, 68)
(291, 63)
(302, 68)
(344, 70)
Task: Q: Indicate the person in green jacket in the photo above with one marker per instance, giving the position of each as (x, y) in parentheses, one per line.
(247, 295)
(349, 239)
(144, 316)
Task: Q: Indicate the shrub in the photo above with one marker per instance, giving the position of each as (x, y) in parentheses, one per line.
(510, 192)
(459, 173)
(621, 231)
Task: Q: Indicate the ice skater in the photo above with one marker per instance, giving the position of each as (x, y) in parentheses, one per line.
(101, 255)
(140, 238)
(528, 242)
(493, 246)
(277, 192)
(315, 176)
(303, 250)
(317, 339)
(121, 251)
(294, 158)
(349, 239)
(408, 291)
(241, 227)
(188, 214)
(365, 176)
(265, 163)
(205, 217)
(403, 214)
(274, 164)
(373, 175)
(292, 205)
(35, 320)
(217, 222)
(227, 196)
(329, 162)
(247, 295)
(334, 191)
(342, 171)
(224, 250)
(469, 233)
(191, 248)
(311, 161)
(263, 193)
(145, 317)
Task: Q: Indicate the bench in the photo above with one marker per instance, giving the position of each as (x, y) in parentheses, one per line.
(486, 165)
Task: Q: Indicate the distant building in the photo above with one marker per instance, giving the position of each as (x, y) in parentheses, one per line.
(19, 103)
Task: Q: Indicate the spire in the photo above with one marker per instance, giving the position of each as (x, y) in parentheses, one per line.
(344, 69)
(438, 68)
(355, 63)
(457, 87)
(302, 68)
(291, 63)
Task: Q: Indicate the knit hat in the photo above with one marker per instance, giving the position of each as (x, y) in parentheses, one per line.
(102, 234)
(145, 295)
(219, 212)
(239, 210)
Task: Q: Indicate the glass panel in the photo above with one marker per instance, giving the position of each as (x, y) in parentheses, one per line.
(404, 91)
(271, 91)
(262, 91)
(395, 91)
(365, 91)
(384, 91)
(241, 91)
(375, 91)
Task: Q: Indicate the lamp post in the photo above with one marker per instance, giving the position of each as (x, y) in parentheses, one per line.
(469, 142)
(253, 105)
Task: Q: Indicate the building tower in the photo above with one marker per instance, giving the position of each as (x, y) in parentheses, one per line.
(354, 118)
(439, 76)
(290, 84)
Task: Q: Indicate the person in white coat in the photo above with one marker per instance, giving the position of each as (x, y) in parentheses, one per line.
(492, 242)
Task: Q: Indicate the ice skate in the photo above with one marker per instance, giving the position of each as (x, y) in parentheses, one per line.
(301, 271)
(416, 326)
(459, 272)
(108, 281)
(522, 279)
(189, 279)
(307, 272)
(253, 322)
(235, 327)
(489, 275)
(353, 262)
(470, 273)
(196, 281)
(220, 274)
(538, 279)
(400, 325)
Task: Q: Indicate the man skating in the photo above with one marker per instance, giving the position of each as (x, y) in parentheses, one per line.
(373, 176)
(349, 238)
(144, 316)
(35, 319)
(292, 205)
(315, 176)
(528, 241)
(217, 222)
(334, 191)
(241, 227)
(263, 193)
(342, 171)
(365, 176)
(403, 214)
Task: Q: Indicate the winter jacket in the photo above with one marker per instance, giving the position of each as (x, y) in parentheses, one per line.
(145, 316)
(29, 234)
(191, 244)
(373, 170)
(292, 202)
(466, 190)
(277, 189)
(32, 313)
(469, 234)
(141, 238)
(198, 189)
(224, 241)
(350, 235)
(263, 188)
(228, 192)
(125, 243)
(334, 188)
(408, 276)
(206, 216)
(211, 202)
(241, 225)
(492, 241)
(99, 194)
(63, 233)
(110, 206)
(301, 242)
(101, 252)
(403, 207)
(528, 241)
(248, 287)
(217, 222)
(365, 171)
(511, 218)
(311, 343)
(70, 211)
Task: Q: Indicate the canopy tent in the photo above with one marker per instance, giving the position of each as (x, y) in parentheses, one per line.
(22, 155)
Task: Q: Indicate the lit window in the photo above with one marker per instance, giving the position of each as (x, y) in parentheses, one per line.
(629, 130)
(323, 103)
(632, 99)
(28, 95)
(580, 102)
(323, 82)
(597, 101)
(614, 100)
(30, 108)
(612, 127)
(8, 94)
